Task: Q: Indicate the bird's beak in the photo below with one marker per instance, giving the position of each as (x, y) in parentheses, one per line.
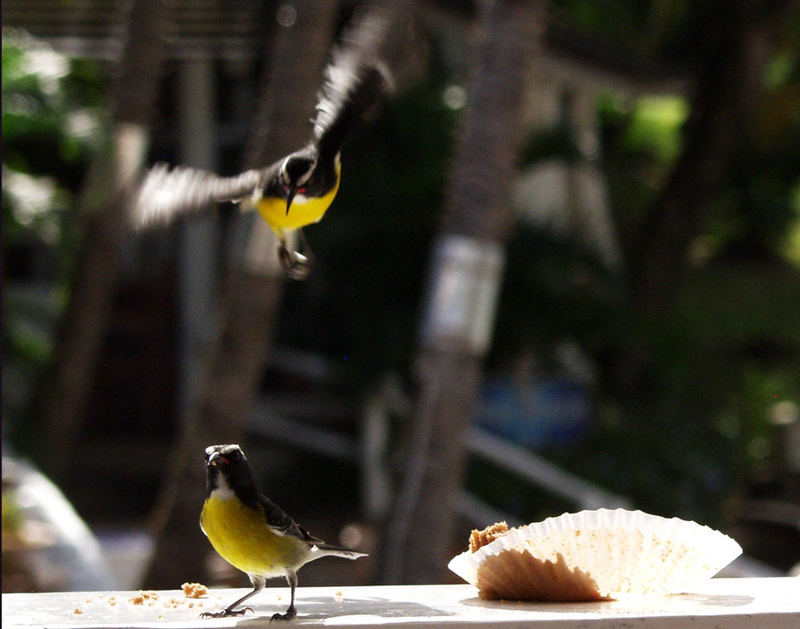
(289, 198)
(212, 459)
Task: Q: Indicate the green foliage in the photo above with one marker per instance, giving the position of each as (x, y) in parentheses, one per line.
(654, 127)
(685, 428)
(721, 360)
(51, 110)
(52, 126)
(680, 442)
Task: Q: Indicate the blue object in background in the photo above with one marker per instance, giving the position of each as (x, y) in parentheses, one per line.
(550, 411)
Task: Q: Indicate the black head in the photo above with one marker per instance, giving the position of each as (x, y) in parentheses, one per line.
(295, 173)
(227, 464)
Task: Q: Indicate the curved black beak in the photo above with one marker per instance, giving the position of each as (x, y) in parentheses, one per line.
(289, 198)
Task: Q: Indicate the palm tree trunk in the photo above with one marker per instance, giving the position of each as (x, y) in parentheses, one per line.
(465, 279)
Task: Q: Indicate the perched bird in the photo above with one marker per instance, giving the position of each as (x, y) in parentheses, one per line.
(251, 532)
(296, 190)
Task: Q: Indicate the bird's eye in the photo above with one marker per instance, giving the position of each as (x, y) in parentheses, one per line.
(302, 190)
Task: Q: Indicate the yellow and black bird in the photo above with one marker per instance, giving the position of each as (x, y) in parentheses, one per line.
(251, 532)
(296, 190)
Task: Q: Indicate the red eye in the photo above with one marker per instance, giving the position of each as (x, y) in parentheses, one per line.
(301, 190)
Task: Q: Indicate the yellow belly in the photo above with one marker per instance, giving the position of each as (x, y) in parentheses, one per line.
(241, 536)
(303, 211)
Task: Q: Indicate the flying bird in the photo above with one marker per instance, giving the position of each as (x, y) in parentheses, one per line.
(298, 189)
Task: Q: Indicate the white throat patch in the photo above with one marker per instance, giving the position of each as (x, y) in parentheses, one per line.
(222, 491)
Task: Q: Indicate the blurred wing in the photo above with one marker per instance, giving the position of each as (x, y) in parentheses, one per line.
(166, 194)
(355, 80)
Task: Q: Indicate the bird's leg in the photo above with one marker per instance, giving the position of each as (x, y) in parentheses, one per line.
(284, 255)
(258, 585)
(297, 265)
(291, 577)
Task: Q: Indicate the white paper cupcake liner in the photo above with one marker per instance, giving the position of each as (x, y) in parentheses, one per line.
(622, 552)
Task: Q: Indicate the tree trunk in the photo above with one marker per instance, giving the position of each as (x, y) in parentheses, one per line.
(465, 280)
(252, 292)
(730, 84)
(60, 402)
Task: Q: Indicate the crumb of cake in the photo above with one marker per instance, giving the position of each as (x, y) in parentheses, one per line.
(338, 596)
(486, 536)
(142, 596)
(112, 600)
(173, 603)
(77, 610)
(194, 590)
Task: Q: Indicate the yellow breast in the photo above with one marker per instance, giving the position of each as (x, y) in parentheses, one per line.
(304, 210)
(243, 538)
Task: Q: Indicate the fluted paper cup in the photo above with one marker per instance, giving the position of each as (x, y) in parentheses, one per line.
(592, 555)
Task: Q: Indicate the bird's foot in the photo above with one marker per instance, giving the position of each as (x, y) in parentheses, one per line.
(290, 614)
(296, 265)
(224, 613)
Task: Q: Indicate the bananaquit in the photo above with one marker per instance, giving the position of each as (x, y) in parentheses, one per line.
(251, 532)
(296, 190)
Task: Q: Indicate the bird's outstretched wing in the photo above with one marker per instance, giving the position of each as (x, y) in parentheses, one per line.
(356, 79)
(166, 193)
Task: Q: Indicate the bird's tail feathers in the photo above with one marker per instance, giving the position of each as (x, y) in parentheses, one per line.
(328, 550)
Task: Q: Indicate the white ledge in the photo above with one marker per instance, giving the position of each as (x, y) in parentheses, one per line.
(730, 603)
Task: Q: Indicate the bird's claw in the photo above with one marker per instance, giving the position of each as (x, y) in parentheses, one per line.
(224, 613)
(290, 614)
(296, 265)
